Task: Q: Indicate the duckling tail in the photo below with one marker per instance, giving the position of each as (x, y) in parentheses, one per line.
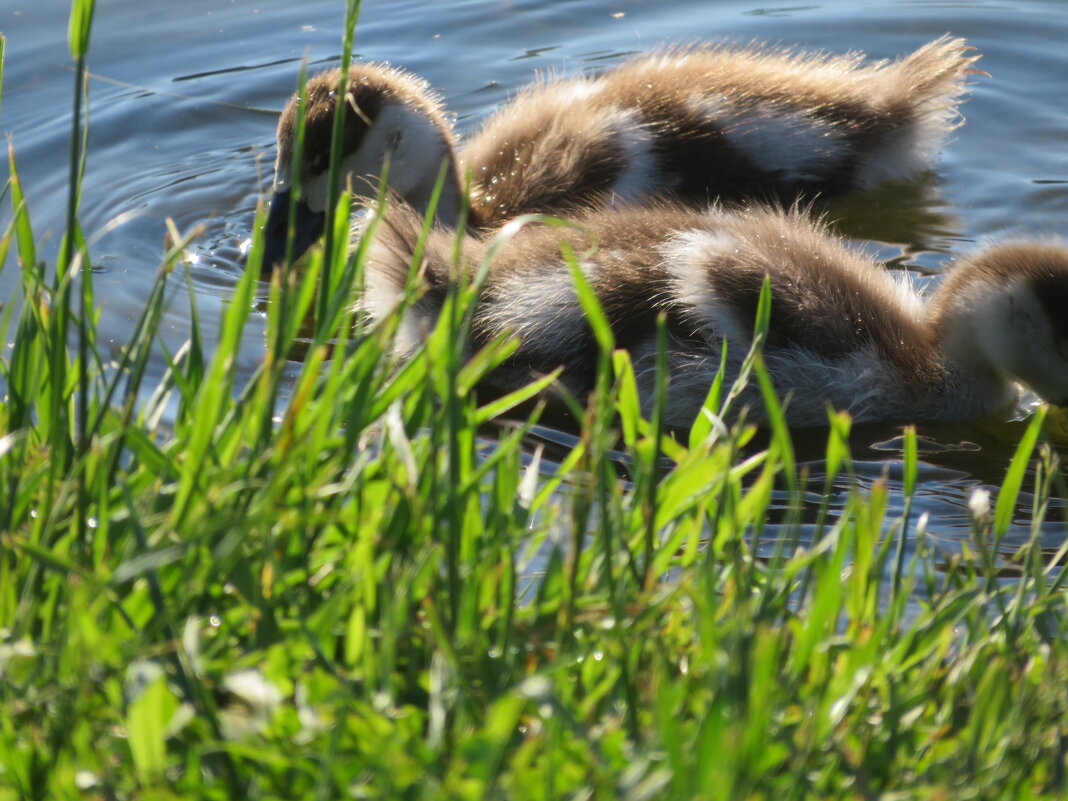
(931, 81)
(919, 97)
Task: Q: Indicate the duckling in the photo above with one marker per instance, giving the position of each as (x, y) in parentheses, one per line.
(697, 124)
(844, 332)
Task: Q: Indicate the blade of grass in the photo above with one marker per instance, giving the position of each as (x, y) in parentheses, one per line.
(653, 468)
(910, 465)
(352, 13)
(213, 394)
(3, 44)
(1010, 488)
(506, 403)
(79, 27)
(707, 420)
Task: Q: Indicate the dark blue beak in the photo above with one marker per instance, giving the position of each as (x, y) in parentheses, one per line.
(307, 228)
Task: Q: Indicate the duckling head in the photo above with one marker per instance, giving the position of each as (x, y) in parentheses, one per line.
(389, 115)
(1006, 309)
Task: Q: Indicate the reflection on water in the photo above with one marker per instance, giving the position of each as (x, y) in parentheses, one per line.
(182, 115)
(910, 213)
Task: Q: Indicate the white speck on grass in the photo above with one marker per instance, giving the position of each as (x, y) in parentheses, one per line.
(979, 503)
(536, 687)
(86, 780)
(260, 695)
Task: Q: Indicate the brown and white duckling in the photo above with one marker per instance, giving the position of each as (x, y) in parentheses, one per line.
(696, 124)
(844, 332)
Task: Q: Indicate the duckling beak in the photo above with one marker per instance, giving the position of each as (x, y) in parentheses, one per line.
(307, 228)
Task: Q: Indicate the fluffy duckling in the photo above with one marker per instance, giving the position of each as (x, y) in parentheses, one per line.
(844, 332)
(696, 124)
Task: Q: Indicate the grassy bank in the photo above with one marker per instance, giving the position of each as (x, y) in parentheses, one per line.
(323, 589)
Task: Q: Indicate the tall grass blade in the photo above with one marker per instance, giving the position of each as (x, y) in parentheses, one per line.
(3, 44)
(653, 467)
(707, 421)
(1010, 488)
(78, 27)
(910, 464)
(352, 13)
(27, 250)
(214, 393)
(773, 409)
(595, 316)
(296, 172)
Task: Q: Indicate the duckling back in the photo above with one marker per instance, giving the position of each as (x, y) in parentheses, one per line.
(724, 123)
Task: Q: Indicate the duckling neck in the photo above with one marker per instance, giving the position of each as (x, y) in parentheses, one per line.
(421, 193)
(417, 148)
(977, 343)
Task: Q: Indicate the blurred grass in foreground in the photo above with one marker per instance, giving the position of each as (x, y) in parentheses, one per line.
(332, 598)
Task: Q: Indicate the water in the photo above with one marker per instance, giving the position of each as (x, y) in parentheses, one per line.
(184, 98)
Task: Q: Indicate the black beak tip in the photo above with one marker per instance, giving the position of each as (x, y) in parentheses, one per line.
(307, 228)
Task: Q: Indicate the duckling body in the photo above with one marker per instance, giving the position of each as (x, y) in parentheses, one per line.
(844, 332)
(696, 124)
(723, 123)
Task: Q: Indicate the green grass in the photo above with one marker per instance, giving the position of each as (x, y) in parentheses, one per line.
(331, 598)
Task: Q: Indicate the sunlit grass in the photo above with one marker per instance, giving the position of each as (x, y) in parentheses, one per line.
(369, 592)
